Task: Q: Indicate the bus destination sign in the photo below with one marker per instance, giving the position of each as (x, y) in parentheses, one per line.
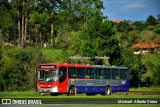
(48, 66)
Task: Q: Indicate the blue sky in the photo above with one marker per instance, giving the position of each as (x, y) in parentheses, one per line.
(134, 10)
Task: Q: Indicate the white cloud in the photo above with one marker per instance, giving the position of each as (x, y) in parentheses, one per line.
(136, 4)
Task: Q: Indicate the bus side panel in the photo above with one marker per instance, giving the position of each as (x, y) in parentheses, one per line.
(100, 89)
(91, 89)
(88, 86)
(98, 85)
(63, 86)
(80, 89)
(120, 88)
(82, 85)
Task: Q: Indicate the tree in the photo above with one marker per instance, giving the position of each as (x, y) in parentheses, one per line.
(140, 25)
(151, 20)
(124, 26)
(18, 12)
(50, 7)
(156, 75)
(133, 62)
(7, 23)
(37, 26)
(98, 38)
(21, 10)
(70, 17)
(17, 68)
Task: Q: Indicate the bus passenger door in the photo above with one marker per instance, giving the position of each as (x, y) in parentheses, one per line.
(63, 84)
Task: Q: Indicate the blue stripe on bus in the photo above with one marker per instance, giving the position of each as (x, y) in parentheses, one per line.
(101, 89)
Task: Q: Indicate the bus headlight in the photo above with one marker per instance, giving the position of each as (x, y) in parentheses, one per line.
(123, 82)
(54, 89)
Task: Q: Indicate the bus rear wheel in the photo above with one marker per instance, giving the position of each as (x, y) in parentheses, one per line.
(108, 91)
(72, 91)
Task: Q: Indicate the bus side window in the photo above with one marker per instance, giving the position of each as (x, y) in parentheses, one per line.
(123, 73)
(99, 73)
(81, 73)
(89, 73)
(115, 74)
(62, 73)
(107, 73)
(41, 76)
(72, 72)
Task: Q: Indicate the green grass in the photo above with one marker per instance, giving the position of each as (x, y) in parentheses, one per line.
(56, 55)
(52, 55)
(84, 97)
(145, 88)
(33, 94)
(116, 105)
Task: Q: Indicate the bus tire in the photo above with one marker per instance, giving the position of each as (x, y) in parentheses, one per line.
(108, 91)
(72, 91)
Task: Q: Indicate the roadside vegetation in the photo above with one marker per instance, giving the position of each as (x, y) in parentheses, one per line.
(120, 95)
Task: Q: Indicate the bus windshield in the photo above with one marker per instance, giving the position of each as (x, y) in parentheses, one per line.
(47, 75)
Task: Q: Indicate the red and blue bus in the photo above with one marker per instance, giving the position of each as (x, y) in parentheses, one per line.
(72, 79)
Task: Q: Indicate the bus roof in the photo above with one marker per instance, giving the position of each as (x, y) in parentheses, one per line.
(73, 65)
(81, 65)
(103, 66)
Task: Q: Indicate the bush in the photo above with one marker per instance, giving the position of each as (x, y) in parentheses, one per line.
(156, 75)
(18, 68)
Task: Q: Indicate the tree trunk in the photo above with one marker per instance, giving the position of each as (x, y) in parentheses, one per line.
(41, 39)
(19, 29)
(23, 24)
(36, 35)
(52, 29)
(25, 30)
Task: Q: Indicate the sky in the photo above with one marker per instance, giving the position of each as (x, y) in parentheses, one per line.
(134, 10)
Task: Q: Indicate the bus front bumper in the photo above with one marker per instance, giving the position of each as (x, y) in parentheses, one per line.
(48, 90)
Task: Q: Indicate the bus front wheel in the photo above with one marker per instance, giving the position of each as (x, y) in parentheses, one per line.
(72, 91)
(108, 91)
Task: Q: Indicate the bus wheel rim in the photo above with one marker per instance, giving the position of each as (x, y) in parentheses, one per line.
(108, 91)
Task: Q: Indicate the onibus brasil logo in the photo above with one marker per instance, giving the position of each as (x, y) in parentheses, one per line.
(20, 101)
